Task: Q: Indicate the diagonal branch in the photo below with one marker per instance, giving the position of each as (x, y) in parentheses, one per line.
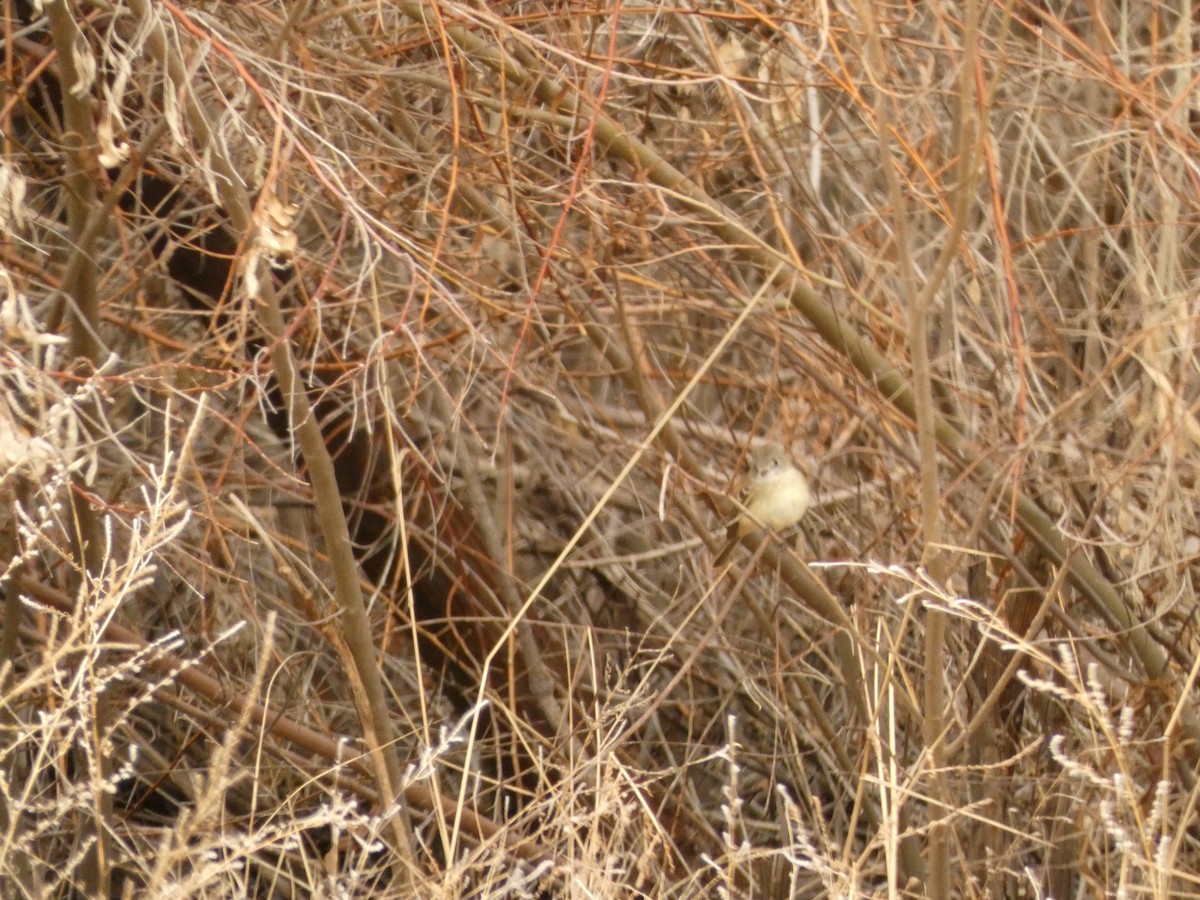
(839, 332)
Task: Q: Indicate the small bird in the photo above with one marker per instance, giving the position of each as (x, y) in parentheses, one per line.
(777, 496)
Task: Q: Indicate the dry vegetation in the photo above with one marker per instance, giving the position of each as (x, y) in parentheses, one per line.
(376, 382)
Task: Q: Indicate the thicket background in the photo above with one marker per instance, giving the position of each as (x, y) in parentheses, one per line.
(377, 380)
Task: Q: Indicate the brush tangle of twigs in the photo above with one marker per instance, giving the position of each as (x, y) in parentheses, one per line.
(376, 384)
